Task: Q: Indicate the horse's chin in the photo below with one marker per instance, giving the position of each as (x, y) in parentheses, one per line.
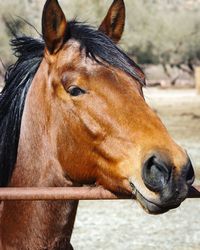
(150, 207)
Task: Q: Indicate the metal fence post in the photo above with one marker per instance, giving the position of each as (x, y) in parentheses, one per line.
(197, 79)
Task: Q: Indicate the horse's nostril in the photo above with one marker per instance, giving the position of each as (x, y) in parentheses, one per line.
(155, 174)
(190, 174)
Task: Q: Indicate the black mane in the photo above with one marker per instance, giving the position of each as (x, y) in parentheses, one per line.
(98, 45)
(18, 79)
(19, 76)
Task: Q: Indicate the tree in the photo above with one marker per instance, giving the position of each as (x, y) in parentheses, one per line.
(163, 32)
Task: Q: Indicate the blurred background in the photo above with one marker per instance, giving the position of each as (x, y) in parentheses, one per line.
(163, 36)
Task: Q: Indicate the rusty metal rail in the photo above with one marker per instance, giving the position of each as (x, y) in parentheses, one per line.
(71, 193)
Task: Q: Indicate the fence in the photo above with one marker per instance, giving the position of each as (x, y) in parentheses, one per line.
(69, 193)
(197, 79)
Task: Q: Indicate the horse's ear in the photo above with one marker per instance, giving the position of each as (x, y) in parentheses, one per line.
(114, 22)
(54, 26)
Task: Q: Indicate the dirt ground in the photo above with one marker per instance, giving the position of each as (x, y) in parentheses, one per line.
(179, 109)
(122, 225)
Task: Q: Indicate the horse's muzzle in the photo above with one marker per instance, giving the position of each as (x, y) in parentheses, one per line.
(152, 207)
(157, 174)
(170, 185)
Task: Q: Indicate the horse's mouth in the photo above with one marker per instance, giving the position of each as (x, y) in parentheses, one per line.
(149, 206)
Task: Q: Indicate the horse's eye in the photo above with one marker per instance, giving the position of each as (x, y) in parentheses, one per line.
(76, 91)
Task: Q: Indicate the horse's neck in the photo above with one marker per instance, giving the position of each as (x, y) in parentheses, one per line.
(37, 225)
(1, 210)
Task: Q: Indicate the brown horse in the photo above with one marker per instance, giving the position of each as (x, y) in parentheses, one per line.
(73, 113)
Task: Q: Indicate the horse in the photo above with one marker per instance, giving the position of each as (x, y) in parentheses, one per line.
(73, 113)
